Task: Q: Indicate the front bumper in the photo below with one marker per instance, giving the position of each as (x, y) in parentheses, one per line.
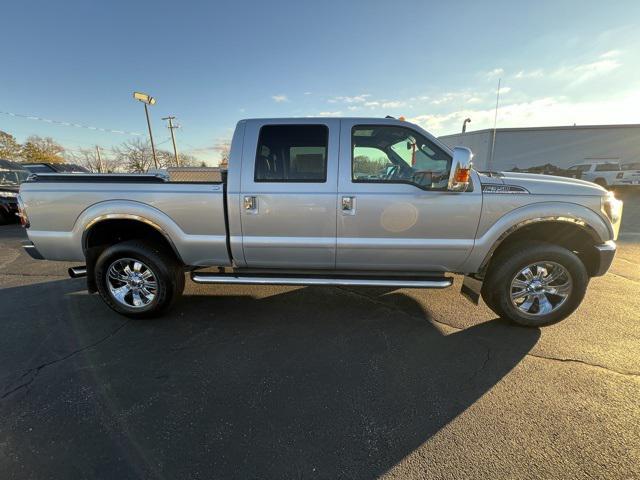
(604, 254)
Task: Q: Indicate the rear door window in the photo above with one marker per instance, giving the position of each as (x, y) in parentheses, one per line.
(292, 153)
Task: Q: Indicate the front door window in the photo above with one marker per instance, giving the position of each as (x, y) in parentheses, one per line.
(391, 154)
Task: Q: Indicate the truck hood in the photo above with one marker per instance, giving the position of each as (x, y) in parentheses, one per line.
(540, 184)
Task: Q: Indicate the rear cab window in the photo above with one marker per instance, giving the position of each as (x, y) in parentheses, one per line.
(292, 153)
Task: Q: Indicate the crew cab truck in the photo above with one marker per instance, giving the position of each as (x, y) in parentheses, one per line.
(330, 201)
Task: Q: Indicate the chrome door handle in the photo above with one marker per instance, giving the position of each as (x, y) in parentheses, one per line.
(348, 206)
(250, 204)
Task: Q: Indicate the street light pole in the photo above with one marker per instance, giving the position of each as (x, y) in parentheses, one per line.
(153, 148)
(148, 100)
(464, 124)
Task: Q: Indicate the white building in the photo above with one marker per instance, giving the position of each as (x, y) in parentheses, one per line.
(524, 148)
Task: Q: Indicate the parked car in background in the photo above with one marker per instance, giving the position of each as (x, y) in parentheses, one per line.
(11, 176)
(54, 168)
(606, 173)
(315, 202)
(630, 174)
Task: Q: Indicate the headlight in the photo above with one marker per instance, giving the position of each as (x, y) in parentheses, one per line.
(8, 194)
(612, 207)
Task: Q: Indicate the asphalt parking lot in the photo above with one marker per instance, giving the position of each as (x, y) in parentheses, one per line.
(285, 382)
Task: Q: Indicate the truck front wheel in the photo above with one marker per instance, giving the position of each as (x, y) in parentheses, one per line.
(138, 280)
(535, 284)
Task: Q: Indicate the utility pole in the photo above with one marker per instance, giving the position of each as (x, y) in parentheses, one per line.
(495, 122)
(99, 159)
(171, 118)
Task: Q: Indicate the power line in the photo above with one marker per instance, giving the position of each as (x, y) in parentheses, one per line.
(69, 124)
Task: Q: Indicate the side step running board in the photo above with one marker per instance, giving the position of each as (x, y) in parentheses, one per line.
(438, 282)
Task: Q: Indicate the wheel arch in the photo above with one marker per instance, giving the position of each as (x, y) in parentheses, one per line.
(571, 234)
(115, 223)
(552, 222)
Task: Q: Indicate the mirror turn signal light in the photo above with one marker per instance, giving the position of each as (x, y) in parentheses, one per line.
(462, 175)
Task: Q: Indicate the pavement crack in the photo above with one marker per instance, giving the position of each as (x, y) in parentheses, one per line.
(12, 274)
(583, 362)
(33, 373)
(624, 277)
(555, 359)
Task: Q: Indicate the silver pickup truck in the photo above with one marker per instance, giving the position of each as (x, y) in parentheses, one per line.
(344, 201)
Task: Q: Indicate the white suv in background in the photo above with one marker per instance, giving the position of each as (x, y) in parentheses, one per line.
(605, 173)
(631, 174)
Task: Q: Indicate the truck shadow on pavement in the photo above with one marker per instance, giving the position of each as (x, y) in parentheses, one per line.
(310, 382)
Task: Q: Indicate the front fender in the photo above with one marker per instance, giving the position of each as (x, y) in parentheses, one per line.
(564, 212)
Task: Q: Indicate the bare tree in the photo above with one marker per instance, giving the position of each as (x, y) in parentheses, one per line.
(88, 158)
(134, 155)
(223, 149)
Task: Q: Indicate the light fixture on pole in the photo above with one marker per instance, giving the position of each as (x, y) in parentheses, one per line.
(464, 124)
(147, 100)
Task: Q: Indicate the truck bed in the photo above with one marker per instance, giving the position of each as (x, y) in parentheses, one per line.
(191, 214)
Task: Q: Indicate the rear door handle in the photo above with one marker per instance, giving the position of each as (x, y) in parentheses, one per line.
(348, 206)
(250, 204)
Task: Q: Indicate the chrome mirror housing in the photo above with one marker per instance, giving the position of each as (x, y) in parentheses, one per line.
(460, 174)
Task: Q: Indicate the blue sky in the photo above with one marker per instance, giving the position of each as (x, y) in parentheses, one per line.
(213, 63)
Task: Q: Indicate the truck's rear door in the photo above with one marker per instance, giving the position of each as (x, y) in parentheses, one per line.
(289, 193)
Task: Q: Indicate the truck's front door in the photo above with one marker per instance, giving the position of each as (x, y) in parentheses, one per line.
(395, 212)
(289, 194)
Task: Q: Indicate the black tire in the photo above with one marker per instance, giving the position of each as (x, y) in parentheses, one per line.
(497, 285)
(166, 270)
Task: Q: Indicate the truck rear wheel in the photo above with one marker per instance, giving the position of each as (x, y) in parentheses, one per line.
(138, 280)
(535, 284)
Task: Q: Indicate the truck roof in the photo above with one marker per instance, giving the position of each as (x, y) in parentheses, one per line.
(309, 119)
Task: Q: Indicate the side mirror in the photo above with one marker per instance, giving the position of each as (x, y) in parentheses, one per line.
(460, 174)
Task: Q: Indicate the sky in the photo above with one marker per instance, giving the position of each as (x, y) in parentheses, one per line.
(213, 63)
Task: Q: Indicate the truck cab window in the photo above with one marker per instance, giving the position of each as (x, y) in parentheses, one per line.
(390, 154)
(292, 153)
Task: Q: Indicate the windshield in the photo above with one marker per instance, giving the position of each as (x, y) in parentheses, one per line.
(12, 178)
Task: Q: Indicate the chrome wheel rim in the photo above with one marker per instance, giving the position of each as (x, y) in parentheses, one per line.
(131, 283)
(540, 288)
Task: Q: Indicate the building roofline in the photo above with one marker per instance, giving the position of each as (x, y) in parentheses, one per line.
(562, 127)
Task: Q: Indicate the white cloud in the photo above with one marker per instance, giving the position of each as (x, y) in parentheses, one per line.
(352, 107)
(280, 98)
(474, 100)
(372, 104)
(611, 54)
(307, 93)
(577, 74)
(545, 111)
(330, 114)
(346, 99)
(529, 74)
(496, 72)
(393, 104)
(504, 90)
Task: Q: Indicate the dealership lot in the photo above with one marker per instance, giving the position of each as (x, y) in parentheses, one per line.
(250, 382)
